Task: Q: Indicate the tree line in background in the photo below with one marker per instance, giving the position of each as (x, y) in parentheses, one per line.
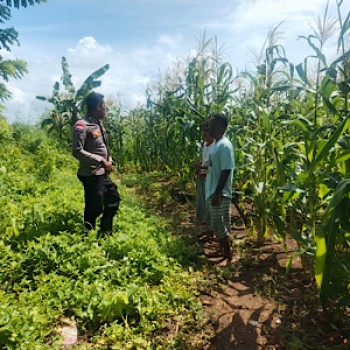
(289, 125)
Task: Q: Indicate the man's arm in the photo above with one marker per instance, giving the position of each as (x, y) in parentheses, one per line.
(217, 196)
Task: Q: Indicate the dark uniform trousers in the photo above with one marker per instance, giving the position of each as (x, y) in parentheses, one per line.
(101, 196)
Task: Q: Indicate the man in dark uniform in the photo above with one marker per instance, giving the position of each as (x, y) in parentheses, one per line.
(90, 147)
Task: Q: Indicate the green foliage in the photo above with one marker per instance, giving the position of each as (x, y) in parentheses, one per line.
(117, 126)
(333, 250)
(9, 36)
(23, 3)
(12, 69)
(123, 290)
(15, 68)
(4, 129)
(293, 154)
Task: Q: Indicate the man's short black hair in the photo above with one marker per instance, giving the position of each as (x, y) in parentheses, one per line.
(206, 124)
(221, 119)
(92, 100)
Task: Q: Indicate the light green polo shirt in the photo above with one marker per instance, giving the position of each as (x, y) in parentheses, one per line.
(221, 158)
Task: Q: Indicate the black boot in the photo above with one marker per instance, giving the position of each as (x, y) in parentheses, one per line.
(106, 224)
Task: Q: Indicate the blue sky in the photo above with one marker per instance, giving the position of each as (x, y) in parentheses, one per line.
(141, 38)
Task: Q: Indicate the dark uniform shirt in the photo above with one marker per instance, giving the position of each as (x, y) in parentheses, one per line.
(89, 146)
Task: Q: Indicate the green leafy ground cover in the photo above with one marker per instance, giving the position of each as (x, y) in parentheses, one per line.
(134, 289)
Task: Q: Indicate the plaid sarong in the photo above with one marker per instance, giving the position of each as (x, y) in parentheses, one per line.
(219, 217)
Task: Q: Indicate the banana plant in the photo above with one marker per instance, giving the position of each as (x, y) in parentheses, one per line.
(69, 104)
(57, 120)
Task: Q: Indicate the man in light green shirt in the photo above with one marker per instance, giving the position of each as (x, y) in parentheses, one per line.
(218, 184)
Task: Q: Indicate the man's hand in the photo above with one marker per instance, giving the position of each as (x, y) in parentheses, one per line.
(197, 167)
(107, 166)
(216, 199)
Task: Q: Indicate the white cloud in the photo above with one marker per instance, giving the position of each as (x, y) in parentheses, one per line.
(24, 106)
(18, 95)
(129, 74)
(88, 52)
(251, 14)
(250, 21)
(171, 41)
(6, 54)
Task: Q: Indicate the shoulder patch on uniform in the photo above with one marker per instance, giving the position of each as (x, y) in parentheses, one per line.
(96, 133)
(79, 127)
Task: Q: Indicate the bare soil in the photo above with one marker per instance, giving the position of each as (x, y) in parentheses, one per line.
(257, 305)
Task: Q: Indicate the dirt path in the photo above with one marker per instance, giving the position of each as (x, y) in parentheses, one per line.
(244, 311)
(254, 304)
(259, 306)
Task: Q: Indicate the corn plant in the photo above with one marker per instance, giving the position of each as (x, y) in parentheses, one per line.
(167, 132)
(259, 132)
(332, 236)
(117, 126)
